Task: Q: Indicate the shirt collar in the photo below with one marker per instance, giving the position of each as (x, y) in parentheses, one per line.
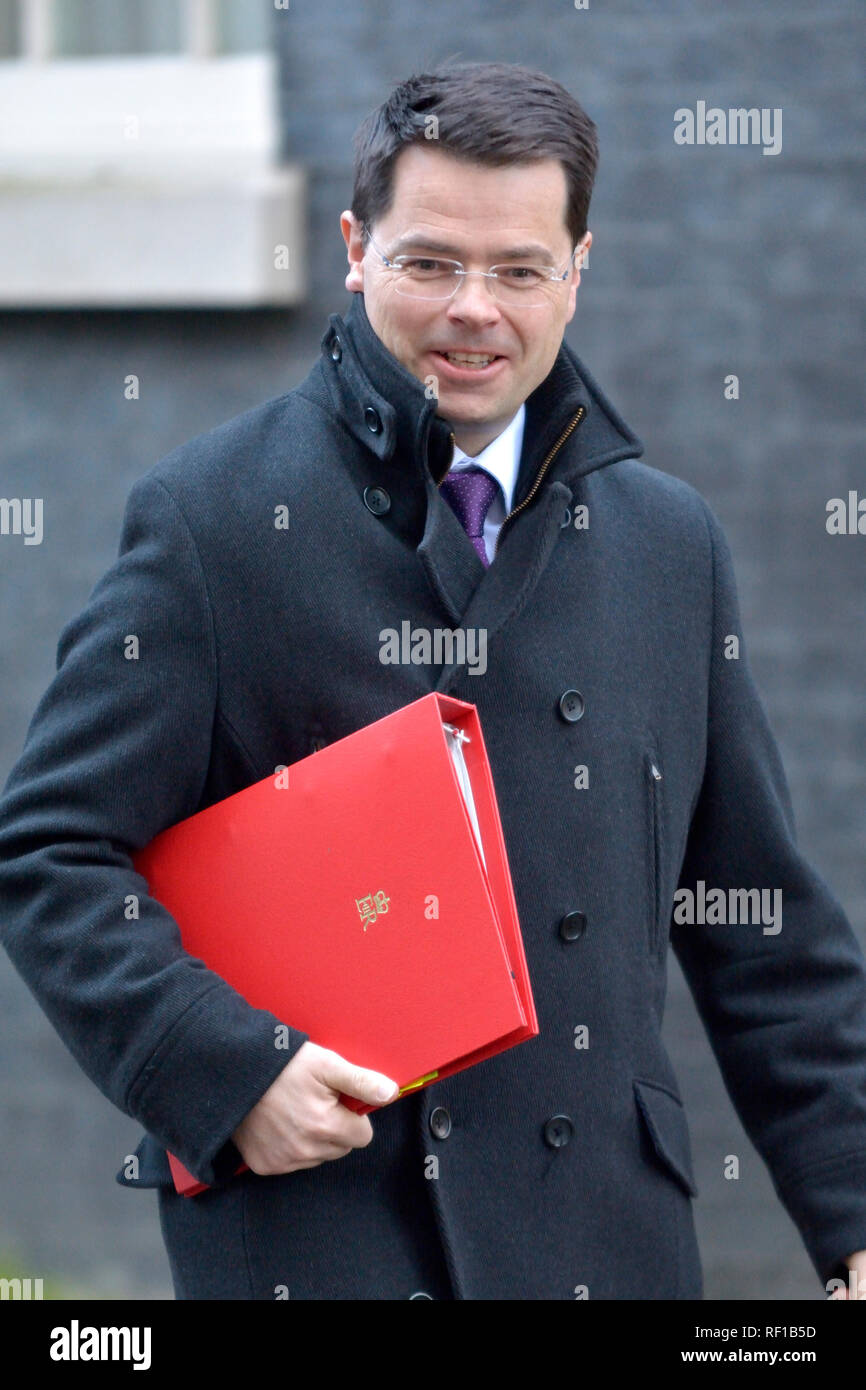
(501, 458)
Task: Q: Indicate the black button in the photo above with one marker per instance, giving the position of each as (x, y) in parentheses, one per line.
(571, 705)
(377, 500)
(336, 350)
(421, 1294)
(572, 926)
(372, 420)
(558, 1131)
(566, 520)
(440, 1123)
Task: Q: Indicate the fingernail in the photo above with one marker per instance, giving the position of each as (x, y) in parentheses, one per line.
(385, 1090)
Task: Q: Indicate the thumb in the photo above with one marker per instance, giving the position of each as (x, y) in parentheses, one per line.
(370, 1086)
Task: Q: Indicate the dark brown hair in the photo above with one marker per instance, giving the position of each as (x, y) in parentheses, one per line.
(491, 113)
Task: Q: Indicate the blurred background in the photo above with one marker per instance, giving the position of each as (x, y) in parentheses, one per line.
(171, 179)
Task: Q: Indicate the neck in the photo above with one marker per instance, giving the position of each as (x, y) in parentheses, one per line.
(473, 438)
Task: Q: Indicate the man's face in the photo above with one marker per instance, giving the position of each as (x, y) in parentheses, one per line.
(482, 217)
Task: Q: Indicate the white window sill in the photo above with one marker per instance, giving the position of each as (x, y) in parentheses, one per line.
(147, 182)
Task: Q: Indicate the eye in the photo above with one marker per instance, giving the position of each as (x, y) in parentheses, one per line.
(521, 274)
(425, 266)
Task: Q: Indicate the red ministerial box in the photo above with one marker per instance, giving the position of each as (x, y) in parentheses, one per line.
(363, 896)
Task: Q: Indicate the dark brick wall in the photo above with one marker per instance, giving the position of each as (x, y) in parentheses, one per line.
(706, 261)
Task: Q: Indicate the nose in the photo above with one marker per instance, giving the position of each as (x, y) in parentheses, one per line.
(473, 301)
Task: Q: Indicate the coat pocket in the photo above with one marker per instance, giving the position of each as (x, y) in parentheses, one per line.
(151, 1167)
(665, 1119)
(653, 779)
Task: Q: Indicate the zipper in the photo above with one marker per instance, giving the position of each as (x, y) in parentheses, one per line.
(654, 778)
(452, 436)
(572, 425)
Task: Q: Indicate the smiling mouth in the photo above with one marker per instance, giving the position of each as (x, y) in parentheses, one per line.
(477, 360)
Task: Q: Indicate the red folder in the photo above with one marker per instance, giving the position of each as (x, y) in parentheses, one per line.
(363, 896)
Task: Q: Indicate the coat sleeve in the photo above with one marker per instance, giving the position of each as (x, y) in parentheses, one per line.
(785, 1010)
(119, 748)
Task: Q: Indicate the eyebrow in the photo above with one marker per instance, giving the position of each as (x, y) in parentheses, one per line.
(531, 250)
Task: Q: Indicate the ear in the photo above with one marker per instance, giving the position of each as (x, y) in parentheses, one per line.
(581, 254)
(350, 227)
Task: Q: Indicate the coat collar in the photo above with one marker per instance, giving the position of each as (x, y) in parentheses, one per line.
(407, 451)
(388, 410)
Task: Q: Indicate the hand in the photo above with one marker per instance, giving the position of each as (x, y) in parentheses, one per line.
(856, 1286)
(299, 1121)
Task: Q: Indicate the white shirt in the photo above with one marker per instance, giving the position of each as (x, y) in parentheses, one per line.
(501, 459)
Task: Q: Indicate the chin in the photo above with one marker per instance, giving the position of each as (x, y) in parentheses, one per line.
(468, 410)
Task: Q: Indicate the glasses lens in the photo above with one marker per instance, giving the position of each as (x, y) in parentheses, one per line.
(426, 278)
(523, 286)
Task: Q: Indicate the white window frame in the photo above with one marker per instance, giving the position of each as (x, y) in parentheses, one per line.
(150, 180)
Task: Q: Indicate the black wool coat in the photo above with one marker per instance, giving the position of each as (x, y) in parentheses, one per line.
(563, 1170)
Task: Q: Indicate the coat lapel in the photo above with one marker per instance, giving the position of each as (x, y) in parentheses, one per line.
(453, 568)
(506, 586)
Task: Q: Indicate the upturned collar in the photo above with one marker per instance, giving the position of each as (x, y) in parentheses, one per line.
(390, 411)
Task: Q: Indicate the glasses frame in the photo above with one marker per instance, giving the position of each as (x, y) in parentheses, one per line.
(550, 275)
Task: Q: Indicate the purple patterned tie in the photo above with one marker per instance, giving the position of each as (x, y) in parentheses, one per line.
(469, 493)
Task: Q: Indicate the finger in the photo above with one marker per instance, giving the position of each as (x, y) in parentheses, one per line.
(325, 1154)
(343, 1077)
(348, 1130)
(296, 1166)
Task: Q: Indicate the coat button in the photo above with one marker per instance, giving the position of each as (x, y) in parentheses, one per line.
(566, 518)
(571, 705)
(572, 926)
(440, 1123)
(377, 500)
(558, 1131)
(372, 420)
(421, 1294)
(336, 350)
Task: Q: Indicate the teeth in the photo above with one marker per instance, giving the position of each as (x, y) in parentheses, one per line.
(469, 359)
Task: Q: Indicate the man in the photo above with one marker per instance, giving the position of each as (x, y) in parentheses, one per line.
(448, 461)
